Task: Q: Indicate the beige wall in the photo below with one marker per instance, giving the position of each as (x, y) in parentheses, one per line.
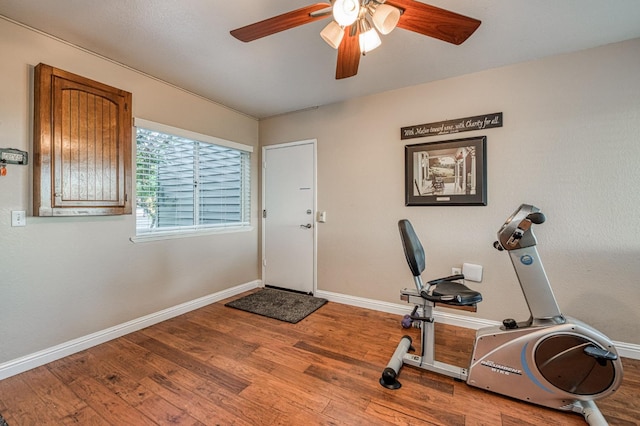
(570, 145)
(64, 278)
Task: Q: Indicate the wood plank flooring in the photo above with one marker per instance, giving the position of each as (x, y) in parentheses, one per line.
(222, 366)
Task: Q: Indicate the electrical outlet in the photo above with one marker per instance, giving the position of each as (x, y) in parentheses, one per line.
(472, 272)
(18, 218)
(456, 271)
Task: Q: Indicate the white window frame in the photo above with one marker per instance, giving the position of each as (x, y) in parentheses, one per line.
(187, 231)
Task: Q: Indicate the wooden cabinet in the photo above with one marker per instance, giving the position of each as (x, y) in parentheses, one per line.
(82, 146)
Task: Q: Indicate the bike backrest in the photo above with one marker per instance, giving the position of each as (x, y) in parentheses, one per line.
(413, 250)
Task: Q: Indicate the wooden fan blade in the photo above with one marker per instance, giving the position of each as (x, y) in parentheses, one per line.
(348, 53)
(435, 22)
(282, 22)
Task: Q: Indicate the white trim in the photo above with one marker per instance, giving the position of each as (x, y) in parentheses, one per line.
(402, 309)
(188, 134)
(627, 350)
(27, 362)
(171, 235)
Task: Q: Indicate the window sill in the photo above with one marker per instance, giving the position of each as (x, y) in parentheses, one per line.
(171, 235)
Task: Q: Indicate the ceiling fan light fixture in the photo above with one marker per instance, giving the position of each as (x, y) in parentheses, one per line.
(346, 12)
(332, 34)
(385, 18)
(357, 17)
(369, 38)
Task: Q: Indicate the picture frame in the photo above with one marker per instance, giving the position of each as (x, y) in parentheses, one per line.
(446, 173)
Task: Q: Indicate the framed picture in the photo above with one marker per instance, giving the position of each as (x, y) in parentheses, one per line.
(447, 173)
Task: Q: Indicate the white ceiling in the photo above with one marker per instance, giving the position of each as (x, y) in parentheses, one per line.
(187, 43)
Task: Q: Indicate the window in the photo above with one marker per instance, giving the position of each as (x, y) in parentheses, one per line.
(187, 182)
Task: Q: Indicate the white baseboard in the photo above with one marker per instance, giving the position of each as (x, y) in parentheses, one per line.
(627, 350)
(22, 364)
(402, 309)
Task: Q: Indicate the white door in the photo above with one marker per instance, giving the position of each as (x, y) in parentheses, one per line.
(288, 255)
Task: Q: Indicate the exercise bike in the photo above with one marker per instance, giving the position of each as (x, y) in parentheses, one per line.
(550, 359)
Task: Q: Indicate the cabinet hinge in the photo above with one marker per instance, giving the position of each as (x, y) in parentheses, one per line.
(264, 214)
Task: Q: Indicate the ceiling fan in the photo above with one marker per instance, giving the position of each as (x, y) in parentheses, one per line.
(351, 30)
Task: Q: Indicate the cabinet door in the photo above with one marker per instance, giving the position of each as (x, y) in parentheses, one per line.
(82, 146)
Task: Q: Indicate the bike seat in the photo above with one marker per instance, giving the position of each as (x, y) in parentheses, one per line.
(442, 290)
(451, 293)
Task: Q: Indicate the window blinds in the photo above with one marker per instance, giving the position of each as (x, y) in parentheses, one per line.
(184, 184)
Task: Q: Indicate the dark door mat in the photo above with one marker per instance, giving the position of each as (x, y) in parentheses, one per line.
(278, 304)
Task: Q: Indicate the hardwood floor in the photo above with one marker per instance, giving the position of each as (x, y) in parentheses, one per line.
(222, 366)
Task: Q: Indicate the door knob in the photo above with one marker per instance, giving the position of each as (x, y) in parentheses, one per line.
(308, 226)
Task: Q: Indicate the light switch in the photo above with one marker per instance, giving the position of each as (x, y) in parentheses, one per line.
(18, 218)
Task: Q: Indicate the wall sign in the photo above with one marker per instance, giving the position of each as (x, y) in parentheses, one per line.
(466, 124)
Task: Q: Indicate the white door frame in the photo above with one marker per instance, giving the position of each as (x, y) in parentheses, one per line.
(314, 142)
